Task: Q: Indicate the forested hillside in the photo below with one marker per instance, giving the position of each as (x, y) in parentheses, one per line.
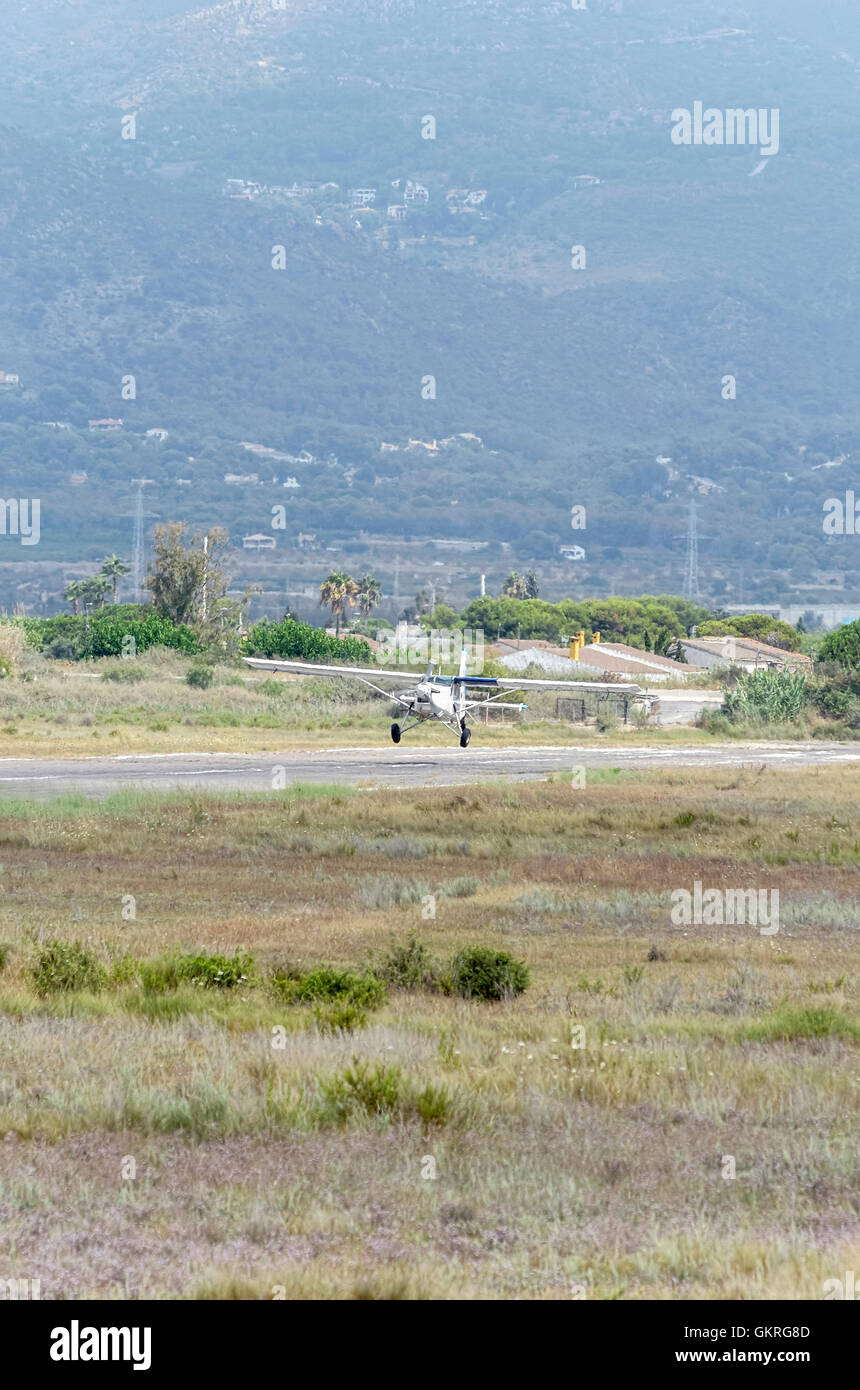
(222, 259)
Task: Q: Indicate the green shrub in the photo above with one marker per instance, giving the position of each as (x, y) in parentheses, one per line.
(433, 1105)
(64, 966)
(339, 1016)
(299, 641)
(272, 689)
(217, 972)
(127, 674)
(358, 1089)
(327, 982)
(409, 966)
(480, 972)
(159, 976)
(105, 633)
(124, 970)
(66, 647)
(5, 950)
(284, 982)
(766, 697)
(790, 1025)
(201, 677)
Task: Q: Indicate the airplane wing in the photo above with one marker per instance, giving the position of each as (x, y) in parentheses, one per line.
(310, 668)
(572, 687)
(368, 675)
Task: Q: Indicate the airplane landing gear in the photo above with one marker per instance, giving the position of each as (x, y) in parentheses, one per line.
(465, 735)
(395, 733)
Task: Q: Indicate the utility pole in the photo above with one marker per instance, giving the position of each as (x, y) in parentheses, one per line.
(138, 556)
(205, 570)
(691, 578)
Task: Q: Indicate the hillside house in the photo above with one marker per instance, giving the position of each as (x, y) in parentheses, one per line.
(259, 541)
(105, 426)
(9, 379)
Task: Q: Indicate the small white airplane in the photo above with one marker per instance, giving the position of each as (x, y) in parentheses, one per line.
(442, 697)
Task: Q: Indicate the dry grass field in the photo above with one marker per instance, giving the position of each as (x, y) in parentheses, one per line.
(700, 1142)
(146, 706)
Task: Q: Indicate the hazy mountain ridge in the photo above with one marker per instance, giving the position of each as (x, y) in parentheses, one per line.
(127, 257)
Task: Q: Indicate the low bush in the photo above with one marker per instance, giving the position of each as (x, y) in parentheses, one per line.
(792, 1025)
(381, 1093)
(381, 893)
(160, 976)
(284, 981)
(65, 966)
(201, 677)
(127, 674)
(363, 988)
(480, 972)
(339, 1016)
(124, 970)
(433, 1105)
(358, 1089)
(272, 689)
(217, 972)
(408, 966)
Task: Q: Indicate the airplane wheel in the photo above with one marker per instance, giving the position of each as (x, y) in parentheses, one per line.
(464, 738)
(395, 733)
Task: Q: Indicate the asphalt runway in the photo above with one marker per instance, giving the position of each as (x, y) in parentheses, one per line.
(42, 778)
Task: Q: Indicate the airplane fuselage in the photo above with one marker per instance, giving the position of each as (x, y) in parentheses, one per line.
(433, 699)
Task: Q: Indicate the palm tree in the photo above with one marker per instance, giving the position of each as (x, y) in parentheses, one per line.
(112, 568)
(92, 591)
(72, 594)
(368, 592)
(515, 586)
(336, 592)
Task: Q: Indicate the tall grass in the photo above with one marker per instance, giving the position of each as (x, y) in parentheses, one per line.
(767, 697)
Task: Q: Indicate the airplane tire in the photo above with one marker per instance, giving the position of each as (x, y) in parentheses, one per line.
(464, 738)
(395, 733)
